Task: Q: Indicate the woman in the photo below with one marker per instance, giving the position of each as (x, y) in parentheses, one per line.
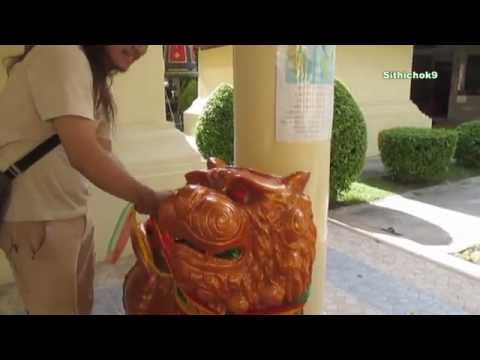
(46, 232)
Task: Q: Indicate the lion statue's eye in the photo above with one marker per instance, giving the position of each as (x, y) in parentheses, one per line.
(239, 194)
(216, 221)
(230, 254)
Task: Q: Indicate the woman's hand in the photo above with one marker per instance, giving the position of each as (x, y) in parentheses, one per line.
(150, 201)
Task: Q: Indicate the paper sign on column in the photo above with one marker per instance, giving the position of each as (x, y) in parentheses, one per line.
(304, 93)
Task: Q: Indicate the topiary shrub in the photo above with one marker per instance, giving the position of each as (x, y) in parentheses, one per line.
(468, 146)
(349, 142)
(215, 127)
(417, 154)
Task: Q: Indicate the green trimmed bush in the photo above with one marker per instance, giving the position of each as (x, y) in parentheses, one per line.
(417, 154)
(468, 147)
(187, 95)
(215, 127)
(349, 142)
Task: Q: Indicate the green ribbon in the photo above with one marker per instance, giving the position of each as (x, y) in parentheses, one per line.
(118, 229)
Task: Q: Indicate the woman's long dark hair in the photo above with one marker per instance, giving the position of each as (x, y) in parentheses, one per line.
(102, 75)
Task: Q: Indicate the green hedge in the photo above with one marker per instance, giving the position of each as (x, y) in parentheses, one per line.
(215, 127)
(468, 147)
(417, 154)
(349, 142)
(187, 95)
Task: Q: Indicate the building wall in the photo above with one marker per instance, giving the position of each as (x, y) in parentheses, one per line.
(384, 103)
(140, 92)
(462, 108)
(215, 67)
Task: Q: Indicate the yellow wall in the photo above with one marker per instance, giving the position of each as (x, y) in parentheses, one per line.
(215, 67)
(384, 103)
(139, 93)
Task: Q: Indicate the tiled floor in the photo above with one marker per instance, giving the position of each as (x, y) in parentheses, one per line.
(352, 287)
(108, 291)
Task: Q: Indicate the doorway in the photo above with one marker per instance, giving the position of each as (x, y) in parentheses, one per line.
(441, 90)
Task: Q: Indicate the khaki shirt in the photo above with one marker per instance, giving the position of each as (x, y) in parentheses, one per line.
(50, 82)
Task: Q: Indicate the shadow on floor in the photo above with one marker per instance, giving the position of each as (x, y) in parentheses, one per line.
(378, 219)
(463, 197)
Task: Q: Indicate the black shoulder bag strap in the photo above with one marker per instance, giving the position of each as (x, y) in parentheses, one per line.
(32, 157)
(7, 176)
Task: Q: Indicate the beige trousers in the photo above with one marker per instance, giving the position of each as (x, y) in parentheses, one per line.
(53, 263)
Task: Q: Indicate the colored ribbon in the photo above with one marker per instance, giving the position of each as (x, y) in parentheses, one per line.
(120, 235)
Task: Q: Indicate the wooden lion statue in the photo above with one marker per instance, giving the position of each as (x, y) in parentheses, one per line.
(231, 241)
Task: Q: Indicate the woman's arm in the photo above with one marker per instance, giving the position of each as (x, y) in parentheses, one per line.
(92, 160)
(106, 144)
